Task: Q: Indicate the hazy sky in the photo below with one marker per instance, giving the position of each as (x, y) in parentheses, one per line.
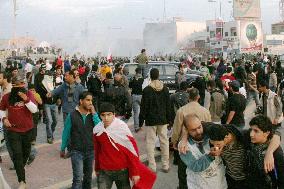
(58, 20)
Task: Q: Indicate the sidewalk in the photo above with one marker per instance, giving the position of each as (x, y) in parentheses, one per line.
(49, 171)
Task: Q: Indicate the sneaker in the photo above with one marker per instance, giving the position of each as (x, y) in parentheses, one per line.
(49, 141)
(67, 155)
(22, 185)
(165, 170)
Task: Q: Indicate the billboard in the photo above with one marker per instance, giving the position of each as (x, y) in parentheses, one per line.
(247, 9)
(251, 36)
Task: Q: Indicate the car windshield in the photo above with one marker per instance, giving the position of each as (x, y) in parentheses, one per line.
(159, 67)
(170, 70)
(131, 68)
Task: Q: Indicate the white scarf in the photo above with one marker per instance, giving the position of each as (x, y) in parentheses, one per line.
(118, 132)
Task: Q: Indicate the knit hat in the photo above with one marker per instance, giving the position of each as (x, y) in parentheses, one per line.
(107, 107)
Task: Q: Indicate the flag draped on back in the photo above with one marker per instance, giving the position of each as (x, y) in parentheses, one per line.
(122, 139)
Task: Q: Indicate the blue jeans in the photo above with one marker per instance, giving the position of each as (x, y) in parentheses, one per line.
(82, 165)
(136, 101)
(252, 95)
(106, 179)
(51, 120)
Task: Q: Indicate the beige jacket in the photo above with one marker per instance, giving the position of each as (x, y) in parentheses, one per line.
(190, 108)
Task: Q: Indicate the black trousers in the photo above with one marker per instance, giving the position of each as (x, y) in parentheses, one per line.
(35, 121)
(21, 148)
(235, 184)
(107, 178)
(182, 177)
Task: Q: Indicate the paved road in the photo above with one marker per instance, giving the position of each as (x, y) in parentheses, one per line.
(48, 171)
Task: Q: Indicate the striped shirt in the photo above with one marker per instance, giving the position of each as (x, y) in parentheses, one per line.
(233, 156)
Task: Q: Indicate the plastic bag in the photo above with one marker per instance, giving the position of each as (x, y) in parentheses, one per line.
(3, 182)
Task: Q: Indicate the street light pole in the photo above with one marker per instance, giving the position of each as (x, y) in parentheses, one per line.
(14, 23)
(164, 14)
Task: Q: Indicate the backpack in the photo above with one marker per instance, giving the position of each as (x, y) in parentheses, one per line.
(179, 99)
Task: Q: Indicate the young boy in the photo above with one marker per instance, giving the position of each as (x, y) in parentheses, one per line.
(260, 135)
(116, 154)
(38, 101)
(232, 146)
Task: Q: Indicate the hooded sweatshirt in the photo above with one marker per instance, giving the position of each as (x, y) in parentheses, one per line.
(155, 105)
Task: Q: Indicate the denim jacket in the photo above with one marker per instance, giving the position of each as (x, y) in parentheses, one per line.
(62, 91)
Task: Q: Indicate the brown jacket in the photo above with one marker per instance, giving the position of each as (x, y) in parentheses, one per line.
(190, 108)
(217, 106)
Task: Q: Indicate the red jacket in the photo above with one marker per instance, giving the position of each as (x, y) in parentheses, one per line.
(19, 115)
(107, 157)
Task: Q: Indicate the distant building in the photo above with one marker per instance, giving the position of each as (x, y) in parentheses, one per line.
(166, 38)
(238, 36)
(274, 44)
(277, 28)
(223, 36)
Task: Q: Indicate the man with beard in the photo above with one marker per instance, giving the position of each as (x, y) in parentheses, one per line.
(69, 93)
(204, 169)
(19, 105)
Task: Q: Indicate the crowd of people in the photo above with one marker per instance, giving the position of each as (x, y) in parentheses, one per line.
(212, 146)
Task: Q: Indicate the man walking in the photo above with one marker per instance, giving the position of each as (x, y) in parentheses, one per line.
(136, 85)
(69, 92)
(270, 103)
(119, 96)
(204, 169)
(18, 121)
(193, 107)
(49, 103)
(236, 106)
(78, 127)
(116, 154)
(157, 113)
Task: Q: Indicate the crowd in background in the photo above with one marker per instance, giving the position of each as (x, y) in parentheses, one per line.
(205, 117)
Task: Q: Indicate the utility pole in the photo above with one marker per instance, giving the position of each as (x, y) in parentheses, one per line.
(165, 13)
(14, 23)
(281, 9)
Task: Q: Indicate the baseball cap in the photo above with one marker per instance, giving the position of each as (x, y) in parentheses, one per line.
(235, 83)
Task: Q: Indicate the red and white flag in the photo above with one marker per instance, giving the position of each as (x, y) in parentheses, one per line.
(122, 139)
(109, 56)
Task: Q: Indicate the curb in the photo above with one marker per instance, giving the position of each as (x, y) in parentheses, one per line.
(67, 183)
